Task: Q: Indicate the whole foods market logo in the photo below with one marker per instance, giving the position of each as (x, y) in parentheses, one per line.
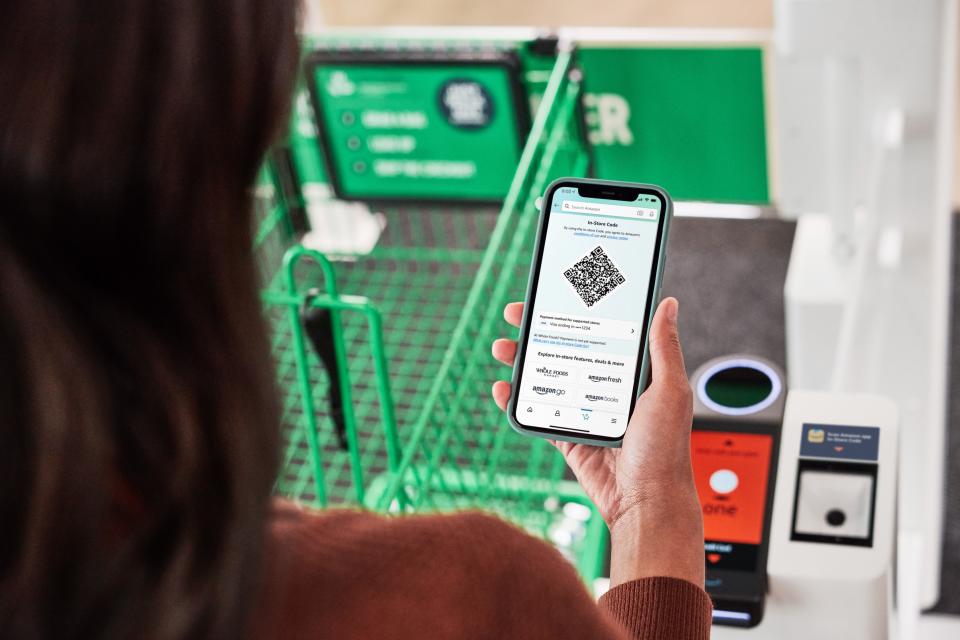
(339, 84)
(552, 373)
(466, 104)
(548, 391)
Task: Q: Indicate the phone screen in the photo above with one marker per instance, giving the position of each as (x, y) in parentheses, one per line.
(587, 322)
(732, 471)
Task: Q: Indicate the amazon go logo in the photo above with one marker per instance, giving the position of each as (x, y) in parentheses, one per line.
(548, 391)
(608, 118)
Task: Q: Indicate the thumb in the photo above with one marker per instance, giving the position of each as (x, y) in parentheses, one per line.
(666, 357)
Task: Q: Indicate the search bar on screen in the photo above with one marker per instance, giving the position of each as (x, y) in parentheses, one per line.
(616, 210)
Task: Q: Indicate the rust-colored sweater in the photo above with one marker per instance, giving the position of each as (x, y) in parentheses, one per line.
(351, 575)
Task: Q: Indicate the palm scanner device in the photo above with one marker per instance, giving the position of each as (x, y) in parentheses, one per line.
(831, 537)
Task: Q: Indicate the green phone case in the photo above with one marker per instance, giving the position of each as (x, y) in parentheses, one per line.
(645, 355)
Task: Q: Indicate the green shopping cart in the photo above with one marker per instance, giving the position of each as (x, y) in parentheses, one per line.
(395, 415)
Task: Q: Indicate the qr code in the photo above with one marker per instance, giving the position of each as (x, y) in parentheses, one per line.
(594, 276)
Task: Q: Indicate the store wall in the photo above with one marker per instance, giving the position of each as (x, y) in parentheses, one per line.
(633, 13)
(701, 13)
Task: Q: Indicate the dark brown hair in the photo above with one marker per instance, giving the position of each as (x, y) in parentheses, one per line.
(138, 430)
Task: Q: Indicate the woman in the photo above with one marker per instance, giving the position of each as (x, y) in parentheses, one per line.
(140, 428)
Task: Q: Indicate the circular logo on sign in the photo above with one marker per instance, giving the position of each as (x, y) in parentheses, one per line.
(466, 104)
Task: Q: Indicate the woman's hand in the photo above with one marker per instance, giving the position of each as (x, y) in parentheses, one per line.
(644, 490)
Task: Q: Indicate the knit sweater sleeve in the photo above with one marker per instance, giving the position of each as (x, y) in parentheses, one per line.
(661, 608)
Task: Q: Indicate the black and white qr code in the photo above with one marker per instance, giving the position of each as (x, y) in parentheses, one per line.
(594, 276)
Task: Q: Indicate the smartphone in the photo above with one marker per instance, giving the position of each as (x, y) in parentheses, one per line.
(734, 467)
(582, 357)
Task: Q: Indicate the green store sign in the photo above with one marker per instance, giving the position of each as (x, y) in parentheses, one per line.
(420, 129)
(399, 125)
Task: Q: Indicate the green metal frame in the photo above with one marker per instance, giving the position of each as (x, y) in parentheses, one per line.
(462, 453)
(294, 301)
(515, 230)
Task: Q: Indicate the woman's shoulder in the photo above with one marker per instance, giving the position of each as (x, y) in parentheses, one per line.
(450, 574)
(469, 537)
(291, 518)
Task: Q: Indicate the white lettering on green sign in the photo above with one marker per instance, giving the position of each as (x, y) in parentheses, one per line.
(608, 116)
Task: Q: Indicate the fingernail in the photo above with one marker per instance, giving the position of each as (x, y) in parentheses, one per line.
(672, 308)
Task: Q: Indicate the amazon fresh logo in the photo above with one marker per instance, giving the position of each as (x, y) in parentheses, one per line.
(613, 379)
(548, 391)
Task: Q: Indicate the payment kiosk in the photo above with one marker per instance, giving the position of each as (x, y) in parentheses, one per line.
(798, 493)
(738, 411)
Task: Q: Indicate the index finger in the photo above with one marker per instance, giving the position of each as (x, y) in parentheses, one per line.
(513, 313)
